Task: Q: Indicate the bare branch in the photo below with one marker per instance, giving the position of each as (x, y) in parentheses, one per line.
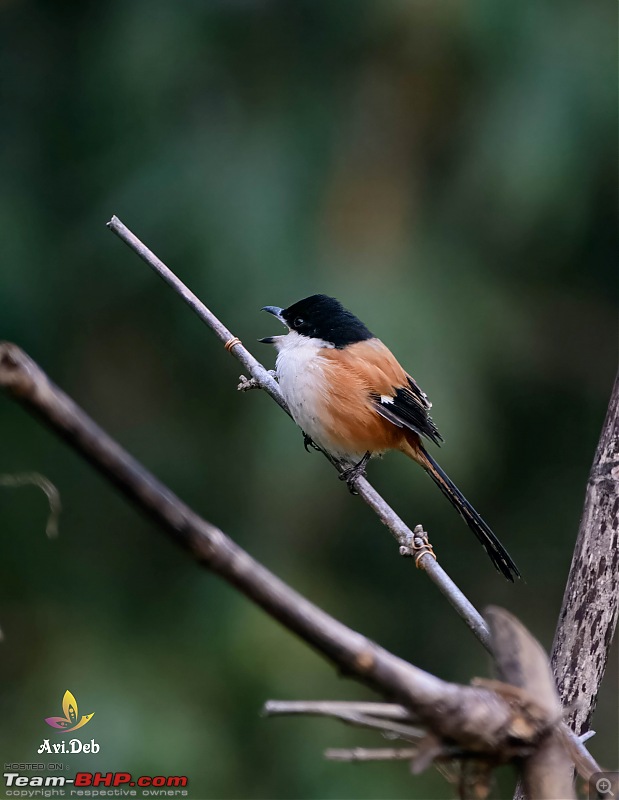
(261, 375)
(588, 617)
(263, 378)
(391, 729)
(350, 714)
(474, 718)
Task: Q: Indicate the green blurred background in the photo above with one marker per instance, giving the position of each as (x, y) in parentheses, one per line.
(448, 171)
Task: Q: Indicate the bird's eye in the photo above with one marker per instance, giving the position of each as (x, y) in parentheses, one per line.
(298, 321)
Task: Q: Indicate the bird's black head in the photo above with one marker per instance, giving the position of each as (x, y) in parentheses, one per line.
(322, 317)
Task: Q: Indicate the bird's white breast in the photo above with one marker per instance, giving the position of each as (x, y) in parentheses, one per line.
(301, 378)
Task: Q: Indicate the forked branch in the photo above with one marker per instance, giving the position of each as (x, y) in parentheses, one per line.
(475, 718)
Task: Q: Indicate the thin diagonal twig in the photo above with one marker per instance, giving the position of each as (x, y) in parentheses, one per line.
(263, 378)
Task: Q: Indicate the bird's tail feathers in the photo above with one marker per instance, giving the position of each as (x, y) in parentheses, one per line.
(498, 554)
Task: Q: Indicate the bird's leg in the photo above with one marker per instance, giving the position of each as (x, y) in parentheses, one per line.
(352, 474)
(309, 442)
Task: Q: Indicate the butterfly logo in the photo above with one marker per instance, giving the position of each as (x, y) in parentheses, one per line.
(70, 720)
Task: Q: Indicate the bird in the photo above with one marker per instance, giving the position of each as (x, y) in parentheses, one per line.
(352, 399)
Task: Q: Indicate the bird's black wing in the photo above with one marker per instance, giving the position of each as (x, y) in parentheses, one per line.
(409, 408)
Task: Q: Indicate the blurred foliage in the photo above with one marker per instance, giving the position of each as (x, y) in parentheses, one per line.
(448, 171)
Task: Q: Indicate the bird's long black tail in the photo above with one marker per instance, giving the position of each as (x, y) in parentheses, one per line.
(498, 554)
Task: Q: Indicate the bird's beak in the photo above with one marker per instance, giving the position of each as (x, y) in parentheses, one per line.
(277, 312)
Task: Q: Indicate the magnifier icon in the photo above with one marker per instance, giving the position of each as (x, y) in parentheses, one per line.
(603, 786)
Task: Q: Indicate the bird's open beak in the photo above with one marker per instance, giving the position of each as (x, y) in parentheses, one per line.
(277, 312)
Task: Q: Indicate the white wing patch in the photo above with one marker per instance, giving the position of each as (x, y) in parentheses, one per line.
(385, 398)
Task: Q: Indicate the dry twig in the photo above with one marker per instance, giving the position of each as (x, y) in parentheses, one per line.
(370, 754)
(351, 714)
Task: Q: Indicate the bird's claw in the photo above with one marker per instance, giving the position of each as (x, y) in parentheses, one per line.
(352, 474)
(309, 442)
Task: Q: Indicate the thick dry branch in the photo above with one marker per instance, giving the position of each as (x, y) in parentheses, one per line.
(263, 378)
(588, 616)
(475, 718)
(526, 681)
